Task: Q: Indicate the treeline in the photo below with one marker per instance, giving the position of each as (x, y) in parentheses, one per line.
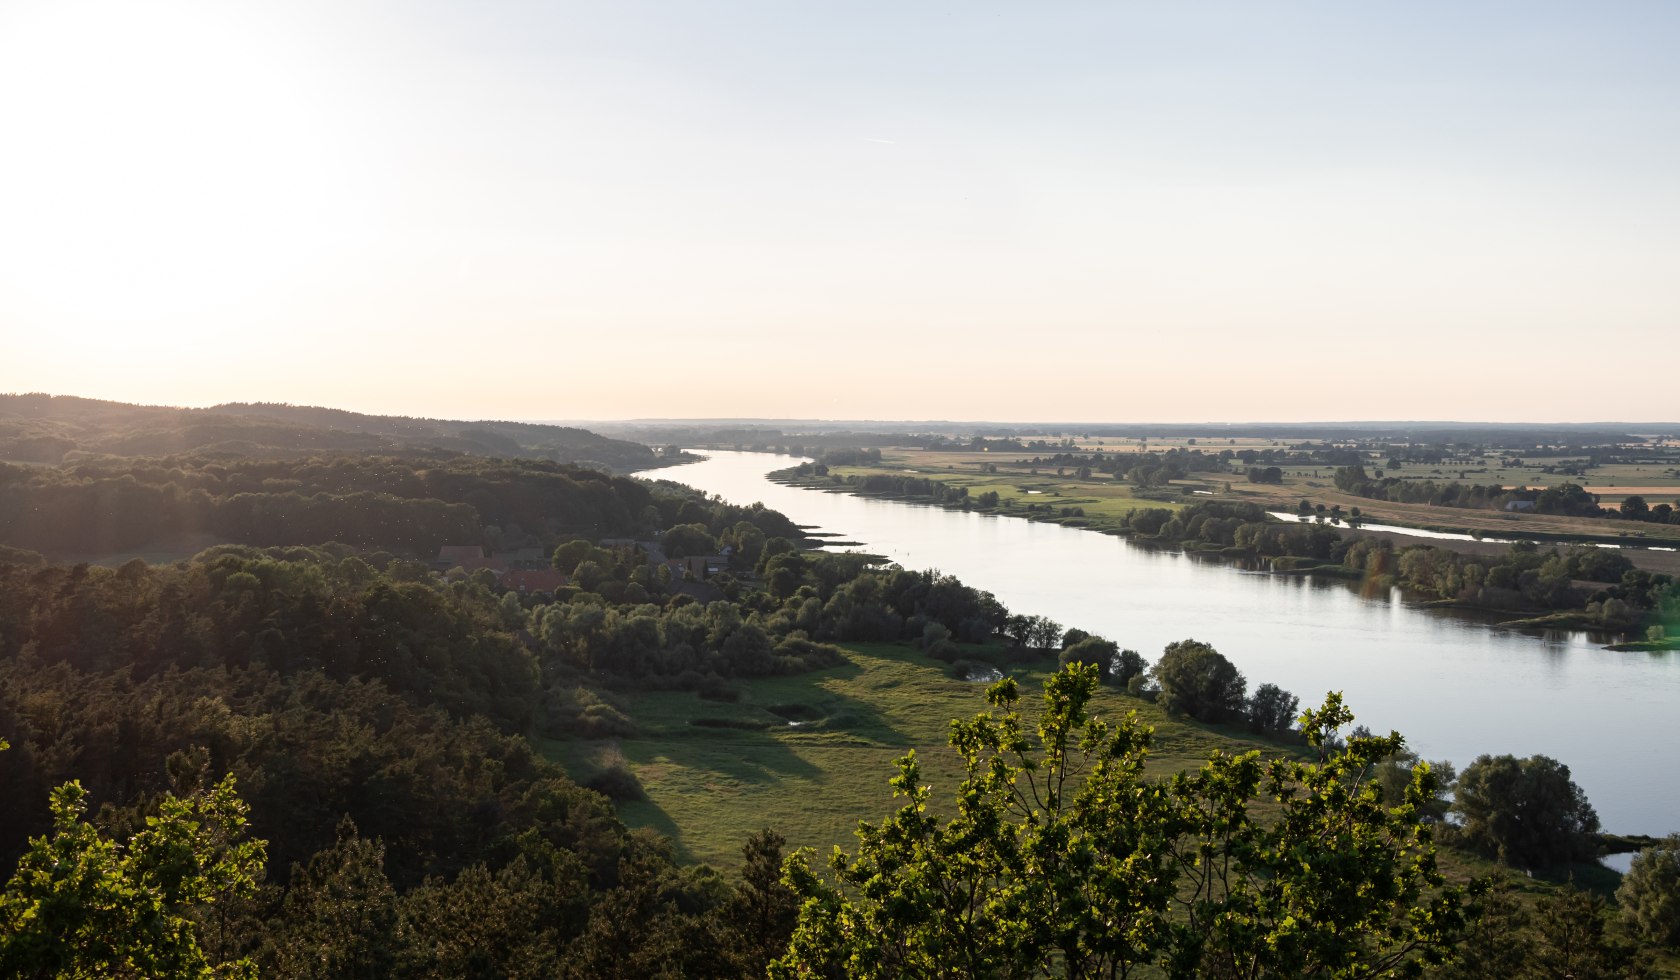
(374, 721)
(1621, 596)
(887, 484)
(407, 505)
(40, 428)
(619, 619)
(1565, 499)
(373, 725)
(373, 715)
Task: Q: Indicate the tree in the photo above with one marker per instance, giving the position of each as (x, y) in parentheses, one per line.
(82, 905)
(1496, 942)
(1524, 811)
(688, 539)
(761, 913)
(1272, 710)
(1060, 859)
(1650, 892)
(1127, 665)
(1572, 939)
(1394, 774)
(340, 913)
(1043, 633)
(1196, 680)
(568, 556)
(1093, 650)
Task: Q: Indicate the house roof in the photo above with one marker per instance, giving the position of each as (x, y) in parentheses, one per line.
(535, 580)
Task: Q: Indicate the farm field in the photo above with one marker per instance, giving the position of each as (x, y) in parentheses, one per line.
(1019, 482)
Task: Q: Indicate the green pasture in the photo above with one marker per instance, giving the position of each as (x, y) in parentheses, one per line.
(810, 755)
(1104, 499)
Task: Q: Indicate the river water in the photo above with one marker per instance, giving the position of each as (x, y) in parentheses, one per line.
(1455, 687)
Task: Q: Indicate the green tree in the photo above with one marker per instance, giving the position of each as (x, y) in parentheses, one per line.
(340, 913)
(1093, 650)
(1524, 811)
(1572, 939)
(1272, 710)
(1060, 859)
(1127, 665)
(572, 553)
(1496, 941)
(688, 539)
(82, 905)
(761, 913)
(1650, 892)
(1196, 680)
(1394, 774)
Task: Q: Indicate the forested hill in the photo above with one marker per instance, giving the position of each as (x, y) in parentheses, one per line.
(408, 506)
(37, 428)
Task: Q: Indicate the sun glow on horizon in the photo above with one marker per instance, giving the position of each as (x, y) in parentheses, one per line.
(1082, 210)
(169, 161)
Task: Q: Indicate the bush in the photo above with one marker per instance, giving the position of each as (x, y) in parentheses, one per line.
(1650, 893)
(617, 783)
(714, 688)
(799, 653)
(582, 712)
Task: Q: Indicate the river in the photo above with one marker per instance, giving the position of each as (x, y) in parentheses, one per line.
(1455, 687)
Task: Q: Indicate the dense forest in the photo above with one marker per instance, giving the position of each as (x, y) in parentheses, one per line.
(55, 429)
(409, 506)
(310, 755)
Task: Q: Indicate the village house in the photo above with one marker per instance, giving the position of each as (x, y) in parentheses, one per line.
(528, 580)
(468, 558)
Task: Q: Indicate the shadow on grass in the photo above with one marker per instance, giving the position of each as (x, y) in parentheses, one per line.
(646, 813)
(1585, 875)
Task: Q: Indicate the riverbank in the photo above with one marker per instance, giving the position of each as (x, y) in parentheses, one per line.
(1457, 685)
(1092, 506)
(1218, 527)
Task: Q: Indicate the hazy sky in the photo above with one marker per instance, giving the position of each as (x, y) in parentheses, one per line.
(1033, 211)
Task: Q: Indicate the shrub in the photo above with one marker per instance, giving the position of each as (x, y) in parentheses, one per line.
(617, 783)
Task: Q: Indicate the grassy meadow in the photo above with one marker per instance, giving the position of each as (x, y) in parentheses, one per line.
(810, 755)
(1103, 499)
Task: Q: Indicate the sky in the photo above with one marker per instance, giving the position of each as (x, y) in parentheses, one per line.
(930, 210)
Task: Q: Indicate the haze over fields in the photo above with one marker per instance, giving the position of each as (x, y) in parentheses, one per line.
(1039, 212)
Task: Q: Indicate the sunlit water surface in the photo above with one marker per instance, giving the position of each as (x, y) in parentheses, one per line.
(1455, 687)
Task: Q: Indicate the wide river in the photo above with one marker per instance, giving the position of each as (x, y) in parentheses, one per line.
(1456, 688)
